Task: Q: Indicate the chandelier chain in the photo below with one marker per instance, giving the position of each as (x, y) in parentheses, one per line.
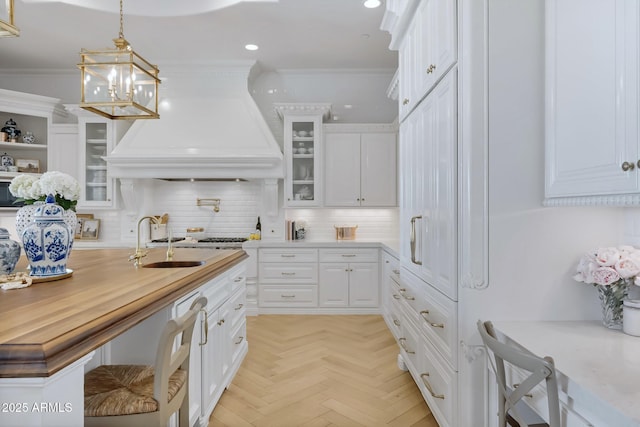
(121, 22)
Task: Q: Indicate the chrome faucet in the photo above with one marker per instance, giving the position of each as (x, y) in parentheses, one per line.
(137, 257)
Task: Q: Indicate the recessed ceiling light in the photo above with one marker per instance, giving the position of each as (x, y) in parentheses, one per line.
(371, 4)
(251, 46)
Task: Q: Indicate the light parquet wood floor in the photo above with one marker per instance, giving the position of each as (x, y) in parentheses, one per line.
(318, 371)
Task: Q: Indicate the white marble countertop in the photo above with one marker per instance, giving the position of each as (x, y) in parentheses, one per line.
(392, 246)
(601, 366)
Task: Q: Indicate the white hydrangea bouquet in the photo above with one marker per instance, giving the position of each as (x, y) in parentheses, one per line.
(31, 188)
(611, 270)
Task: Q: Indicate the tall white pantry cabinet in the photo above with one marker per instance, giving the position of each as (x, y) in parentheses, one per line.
(443, 172)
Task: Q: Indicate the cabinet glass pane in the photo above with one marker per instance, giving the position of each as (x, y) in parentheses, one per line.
(96, 173)
(303, 151)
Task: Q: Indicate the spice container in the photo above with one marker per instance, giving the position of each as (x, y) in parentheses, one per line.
(631, 317)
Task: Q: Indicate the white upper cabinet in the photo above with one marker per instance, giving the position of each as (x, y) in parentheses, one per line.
(360, 167)
(592, 146)
(428, 51)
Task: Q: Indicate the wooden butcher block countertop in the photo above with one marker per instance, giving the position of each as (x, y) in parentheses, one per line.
(47, 326)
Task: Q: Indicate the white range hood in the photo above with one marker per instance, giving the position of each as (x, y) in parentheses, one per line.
(209, 128)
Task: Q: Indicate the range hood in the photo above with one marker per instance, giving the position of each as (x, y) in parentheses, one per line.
(209, 128)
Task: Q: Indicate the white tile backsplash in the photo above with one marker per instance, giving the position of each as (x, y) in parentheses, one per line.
(373, 224)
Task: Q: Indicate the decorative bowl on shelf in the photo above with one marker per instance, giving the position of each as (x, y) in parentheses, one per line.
(310, 150)
(302, 133)
(302, 150)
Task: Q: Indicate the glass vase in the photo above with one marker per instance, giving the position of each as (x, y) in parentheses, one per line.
(611, 298)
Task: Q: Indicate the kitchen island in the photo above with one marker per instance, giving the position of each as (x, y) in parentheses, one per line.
(49, 330)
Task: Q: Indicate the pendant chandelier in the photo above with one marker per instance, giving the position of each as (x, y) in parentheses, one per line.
(7, 24)
(118, 83)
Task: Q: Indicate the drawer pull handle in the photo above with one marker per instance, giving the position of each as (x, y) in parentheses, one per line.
(221, 322)
(405, 101)
(239, 306)
(238, 279)
(284, 273)
(396, 322)
(396, 296)
(288, 255)
(428, 386)
(240, 339)
(529, 395)
(403, 291)
(348, 255)
(206, 327)
(395, 271)
(404, 346)
(423, 313)
(626, 166)
(287, 296)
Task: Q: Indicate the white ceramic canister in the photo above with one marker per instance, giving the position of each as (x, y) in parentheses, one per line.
(631, 317)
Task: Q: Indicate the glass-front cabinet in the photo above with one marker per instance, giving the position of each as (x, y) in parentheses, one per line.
(302, 150)
(95, 140)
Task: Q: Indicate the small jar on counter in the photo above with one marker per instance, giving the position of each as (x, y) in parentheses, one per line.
(631, 317)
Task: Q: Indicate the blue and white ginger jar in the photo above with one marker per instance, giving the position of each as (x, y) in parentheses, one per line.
(9, 252)
(47, 241)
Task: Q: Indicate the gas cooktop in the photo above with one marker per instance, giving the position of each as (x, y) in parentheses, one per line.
(205, 242)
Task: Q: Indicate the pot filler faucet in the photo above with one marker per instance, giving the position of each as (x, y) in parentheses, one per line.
(137, 257)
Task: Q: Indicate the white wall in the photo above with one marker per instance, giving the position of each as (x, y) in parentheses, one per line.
(533, 250)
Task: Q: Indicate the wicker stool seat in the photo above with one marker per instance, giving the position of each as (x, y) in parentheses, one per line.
(124, 389)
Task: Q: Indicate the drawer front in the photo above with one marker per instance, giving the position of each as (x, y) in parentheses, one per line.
(295, 272)
(238, 277)
(288, 296)
(439, 322)
(438, 384)
(237, 308)
(288, 255)
(238, 341)
(396, 319)
(408, 342)
(216, 292)
(349, 255)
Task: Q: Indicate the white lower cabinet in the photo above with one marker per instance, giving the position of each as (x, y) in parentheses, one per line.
(219, 341)
(323, 279)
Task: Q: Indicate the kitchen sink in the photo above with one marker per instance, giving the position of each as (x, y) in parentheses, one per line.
(173, 264)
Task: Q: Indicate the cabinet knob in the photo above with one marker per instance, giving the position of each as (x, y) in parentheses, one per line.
(431, 69)
(626, 166)
(405, 101)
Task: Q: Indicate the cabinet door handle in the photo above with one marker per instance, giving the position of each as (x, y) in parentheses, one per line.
(428, 386)
(423, 313)
(239, 306)
(412, 239)
(404, 346)
(206, 327)
(396, 322)
(409, 298)
(405, 101)
(626, 166)
(396, 296)
(221, 322)
(239, 340)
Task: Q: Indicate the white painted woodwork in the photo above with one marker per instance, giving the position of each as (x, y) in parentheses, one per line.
(429, 188)
(591, 117)
(303, 169)
(63, 149)
(360, 169)
(52, 401)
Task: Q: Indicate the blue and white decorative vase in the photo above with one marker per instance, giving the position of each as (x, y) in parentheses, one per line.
(47, 241)
(9, 252)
